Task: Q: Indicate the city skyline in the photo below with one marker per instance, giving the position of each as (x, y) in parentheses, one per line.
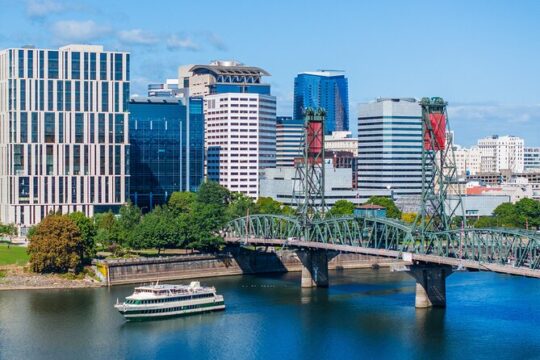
(482, 68)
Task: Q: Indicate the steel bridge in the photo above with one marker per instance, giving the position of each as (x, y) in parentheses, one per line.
(501, 250)
(430, 248)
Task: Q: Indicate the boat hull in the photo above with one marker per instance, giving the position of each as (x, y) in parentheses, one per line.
(148, 315)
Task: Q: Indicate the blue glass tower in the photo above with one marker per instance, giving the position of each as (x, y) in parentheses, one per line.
(167, 148)
(327, 89)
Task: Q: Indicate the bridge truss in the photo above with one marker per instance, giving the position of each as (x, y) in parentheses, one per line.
(474, 248)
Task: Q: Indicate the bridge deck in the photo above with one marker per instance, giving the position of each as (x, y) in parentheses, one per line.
(504, 269)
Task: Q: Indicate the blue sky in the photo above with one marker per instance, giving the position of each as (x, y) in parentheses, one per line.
(482, 56)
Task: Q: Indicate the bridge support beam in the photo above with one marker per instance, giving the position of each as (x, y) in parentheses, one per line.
(430, 284)
(314, 268)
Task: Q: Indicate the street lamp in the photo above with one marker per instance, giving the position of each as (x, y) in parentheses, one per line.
(389, 188)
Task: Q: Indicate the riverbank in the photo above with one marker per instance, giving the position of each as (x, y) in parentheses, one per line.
(14, 277)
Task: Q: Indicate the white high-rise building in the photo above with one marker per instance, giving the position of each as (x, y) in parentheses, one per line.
(240, 139)
(240, 121)
(499, 153)
(63, 131)
(468, 160)
(289, 140)
(390, 146)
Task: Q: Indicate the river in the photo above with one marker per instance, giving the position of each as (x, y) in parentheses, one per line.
(365, 314)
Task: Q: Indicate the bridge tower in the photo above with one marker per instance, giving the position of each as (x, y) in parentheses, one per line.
(439, 172)
(308, 195)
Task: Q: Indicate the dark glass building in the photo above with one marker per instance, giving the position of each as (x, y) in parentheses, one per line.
(167, 148)
(326, 89)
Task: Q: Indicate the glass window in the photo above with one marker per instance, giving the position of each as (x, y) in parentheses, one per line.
(103, 66)
(30, 64)
(105, 96)
(49, 127)
(21, 63)
(93, 66)
(75, 65)
(53, 64)
(24, 127)
(79, 128)
(119, 128)
(118, 66)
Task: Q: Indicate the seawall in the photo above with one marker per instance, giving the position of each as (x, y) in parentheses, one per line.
(237, 262)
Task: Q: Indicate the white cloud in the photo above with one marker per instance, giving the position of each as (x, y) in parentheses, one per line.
(137, 37)
(72, 30)
(175, 42)
(43, 8)
(216, 41)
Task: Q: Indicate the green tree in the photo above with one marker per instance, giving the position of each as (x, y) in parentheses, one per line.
(108, 233)
(8, 230)
(528, 212)
(181, 202)
(239, 206)
(88, 234)
(158, 229)
(342, 208)
(505, 215)
(203, 226)
(211, 193)
(267, 205)
(392, 210)
(485, 221)
(130, 216)
(55, 245)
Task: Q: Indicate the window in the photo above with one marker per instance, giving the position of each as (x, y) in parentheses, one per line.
(53, 64)
(79, 128)
(49, 128)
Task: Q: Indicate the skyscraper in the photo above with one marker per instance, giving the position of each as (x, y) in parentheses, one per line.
(63, 131)
(166, 135)
(327, 89)
(289, 140)
(390, 146)
(240, 121)
(531, 159)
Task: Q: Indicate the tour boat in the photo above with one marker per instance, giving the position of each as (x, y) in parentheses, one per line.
(162, 301)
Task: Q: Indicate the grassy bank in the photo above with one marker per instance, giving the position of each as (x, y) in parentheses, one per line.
(13, 255)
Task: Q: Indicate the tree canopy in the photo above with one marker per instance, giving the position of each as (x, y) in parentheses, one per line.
(342, 208)
(392, 210)
(56, 245)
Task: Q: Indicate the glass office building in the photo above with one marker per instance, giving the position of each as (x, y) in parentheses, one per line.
(63, 132)
(325, 89)
(167, 148)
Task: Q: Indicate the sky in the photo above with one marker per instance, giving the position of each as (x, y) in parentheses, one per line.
(482, 56)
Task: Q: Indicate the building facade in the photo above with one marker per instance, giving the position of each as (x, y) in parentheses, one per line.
(167, 148)
(221, 77)
(500, 153)
(289, 140)
(240, 139)
(327, 89)
(63, 131)
(390, 146)
(278, 183)
(531, 159)
(341, 141)
(167, 89)
(468, 160)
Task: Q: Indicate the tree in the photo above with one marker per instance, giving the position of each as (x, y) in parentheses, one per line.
(158, 229)
(211, 193)
(202, 227)
(528, 211)
(409, 218)
(485, 221)
(267, 205)
(55, 245)
(181, 202)
(239, 206)
(392, 210)
(130, 216)
(88, 234)
(505, 215)
(108, 233)
(342, 208)
(8, 230)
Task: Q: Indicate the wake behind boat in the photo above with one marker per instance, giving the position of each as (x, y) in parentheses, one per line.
(162, 301)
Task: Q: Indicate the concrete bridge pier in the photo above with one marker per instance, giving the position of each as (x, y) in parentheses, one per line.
(314, 268)
(430, 284)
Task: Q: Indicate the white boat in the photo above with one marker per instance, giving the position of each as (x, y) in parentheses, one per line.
(162, 301)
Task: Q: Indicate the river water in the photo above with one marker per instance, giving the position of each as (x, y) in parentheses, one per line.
(365, 314)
